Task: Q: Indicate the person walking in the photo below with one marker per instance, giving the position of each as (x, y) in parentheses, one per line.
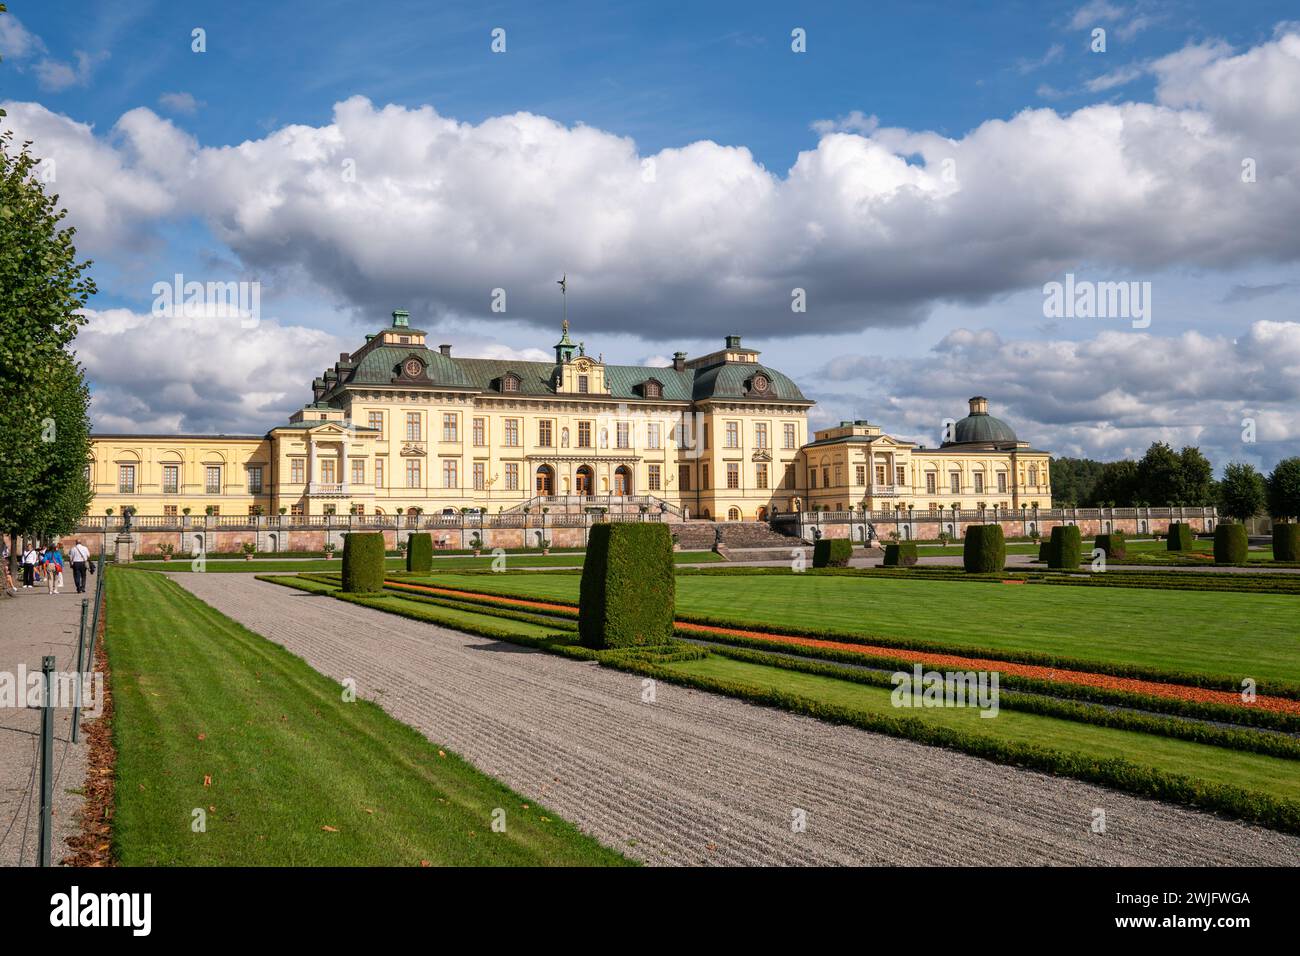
(29, 566)
(53, 569)
(79, 555)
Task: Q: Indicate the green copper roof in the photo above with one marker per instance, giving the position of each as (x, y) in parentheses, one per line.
(981, 428)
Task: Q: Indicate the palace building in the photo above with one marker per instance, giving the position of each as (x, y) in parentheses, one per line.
(397, 426)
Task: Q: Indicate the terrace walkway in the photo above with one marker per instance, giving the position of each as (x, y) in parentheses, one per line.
(696, 778)
(33, 625)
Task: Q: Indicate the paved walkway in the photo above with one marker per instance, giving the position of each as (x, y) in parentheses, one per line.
(697, 778)
(32, 625)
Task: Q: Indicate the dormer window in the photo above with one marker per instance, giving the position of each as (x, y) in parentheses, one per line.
(510, 382)
(653, 389)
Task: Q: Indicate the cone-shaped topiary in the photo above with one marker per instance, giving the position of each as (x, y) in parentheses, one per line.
(363, 562)
(419, 552)
(1180, 537)
(1114, 545)
(985, 550)
(1066, 546)
(832, 553)
(1286, 541)
(902, 554)
(1230, 543)
(628, 591)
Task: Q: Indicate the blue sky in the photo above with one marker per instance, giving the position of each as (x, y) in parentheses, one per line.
(818, 170)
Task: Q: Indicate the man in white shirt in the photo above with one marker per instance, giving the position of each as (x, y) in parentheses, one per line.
(79, 555)
(29, 567)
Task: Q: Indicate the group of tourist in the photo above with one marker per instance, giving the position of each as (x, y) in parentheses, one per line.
(45, 565)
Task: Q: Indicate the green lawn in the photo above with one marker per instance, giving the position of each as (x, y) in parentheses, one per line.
(210, 715)
(459, 563)
(1215, 634)
(1264, 774)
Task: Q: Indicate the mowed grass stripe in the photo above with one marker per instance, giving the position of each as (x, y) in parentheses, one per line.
(286, 757)
(1215, 635)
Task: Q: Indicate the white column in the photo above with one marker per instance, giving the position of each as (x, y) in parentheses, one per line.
(311, 462)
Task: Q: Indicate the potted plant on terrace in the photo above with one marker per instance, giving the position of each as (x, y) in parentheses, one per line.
(249, 549)
(166, 550)
(328, 549)
(546, 546)
(476, 543)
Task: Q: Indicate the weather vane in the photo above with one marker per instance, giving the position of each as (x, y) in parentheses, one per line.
(563, 283)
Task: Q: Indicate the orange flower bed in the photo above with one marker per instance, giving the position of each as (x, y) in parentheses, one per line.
(1064, 676)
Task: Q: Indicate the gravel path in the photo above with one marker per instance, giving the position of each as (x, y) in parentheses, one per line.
(696, 778)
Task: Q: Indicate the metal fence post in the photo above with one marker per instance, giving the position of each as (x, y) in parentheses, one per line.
(81, 662)
(47, 756)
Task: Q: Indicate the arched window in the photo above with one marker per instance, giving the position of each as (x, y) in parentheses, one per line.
(510, 382)
(653, 390)
(1033, 475)
(733, 514)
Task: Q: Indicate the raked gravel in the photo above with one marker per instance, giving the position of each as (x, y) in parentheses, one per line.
(696, 778)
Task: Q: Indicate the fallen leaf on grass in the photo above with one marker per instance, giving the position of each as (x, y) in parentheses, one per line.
(207, 780)
(329, 829)
(442, 754)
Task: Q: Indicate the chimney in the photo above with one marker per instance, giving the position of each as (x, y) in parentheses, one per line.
(679, 361)
(343, 356)
(445, 350)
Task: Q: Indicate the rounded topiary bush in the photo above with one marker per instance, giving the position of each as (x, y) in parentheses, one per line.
(1180, 537)
(832, 553)
(985, 550)
(628, 592)
(419, 552)
(1113, 545)
(1286, 541)
(363, 562)
(1065, 548)
(1230, 543)
(901, 554)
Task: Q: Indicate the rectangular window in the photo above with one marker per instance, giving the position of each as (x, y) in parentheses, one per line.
(413, 473)
(584, 434)
(413, 426)
(839, 474)
(295, 509)
(733, 475)
(900, 475)
(358, 471)
(760, 435)
(169, 511)
(379, 472)
(653, 435)
(789, 476)
(979, 482)
(478, 476)
(171, 479)
(512, 476)
(930, 480)
(255, 479)
(733, 434)
(812, 477)
(706, 436)
(880, 474)
(449, 477)
(684, 478)
(622, 434)
(297, 470)
(860, 475)
(681, 435)
(480, 433)
(790, 435)
(449, 429)
(704, 474)
(1002, 482)
(327, 471)
(512, 432)
(126, 479)
(212, 479)
(760, 475)
(584, 384)
(826, 476)
(546, 433)
(954, 483)
(376, 421)
(653, 477)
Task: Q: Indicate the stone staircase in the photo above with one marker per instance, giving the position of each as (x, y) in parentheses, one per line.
(730, 536)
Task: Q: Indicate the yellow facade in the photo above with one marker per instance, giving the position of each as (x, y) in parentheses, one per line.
(398, 426)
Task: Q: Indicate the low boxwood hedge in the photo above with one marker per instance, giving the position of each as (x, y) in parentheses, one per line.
(985, 549)
(1286, 541)
(1231, 543)
(900, 554)
(1064, 550)
(1113, 544)
(419, 552)
(628, 592)
(363, 562)
(1180, 537)
(832, 553)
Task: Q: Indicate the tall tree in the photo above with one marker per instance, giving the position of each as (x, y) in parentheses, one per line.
(1116, 486)
(43, 288)
(1242, 492)
(1073, 480)
(1284, 490)
(1196, 485)
(1159, 476)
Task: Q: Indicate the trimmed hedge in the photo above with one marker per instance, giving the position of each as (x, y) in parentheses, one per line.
(628, 591)
(1112, 544)
(363, 562)
(1180, 537)
(985, 549)
(1230, 543)
(1065, 548)
(1044, 549)
(832, 553)
(1286, 541)
(901, 554)
(419, 552)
